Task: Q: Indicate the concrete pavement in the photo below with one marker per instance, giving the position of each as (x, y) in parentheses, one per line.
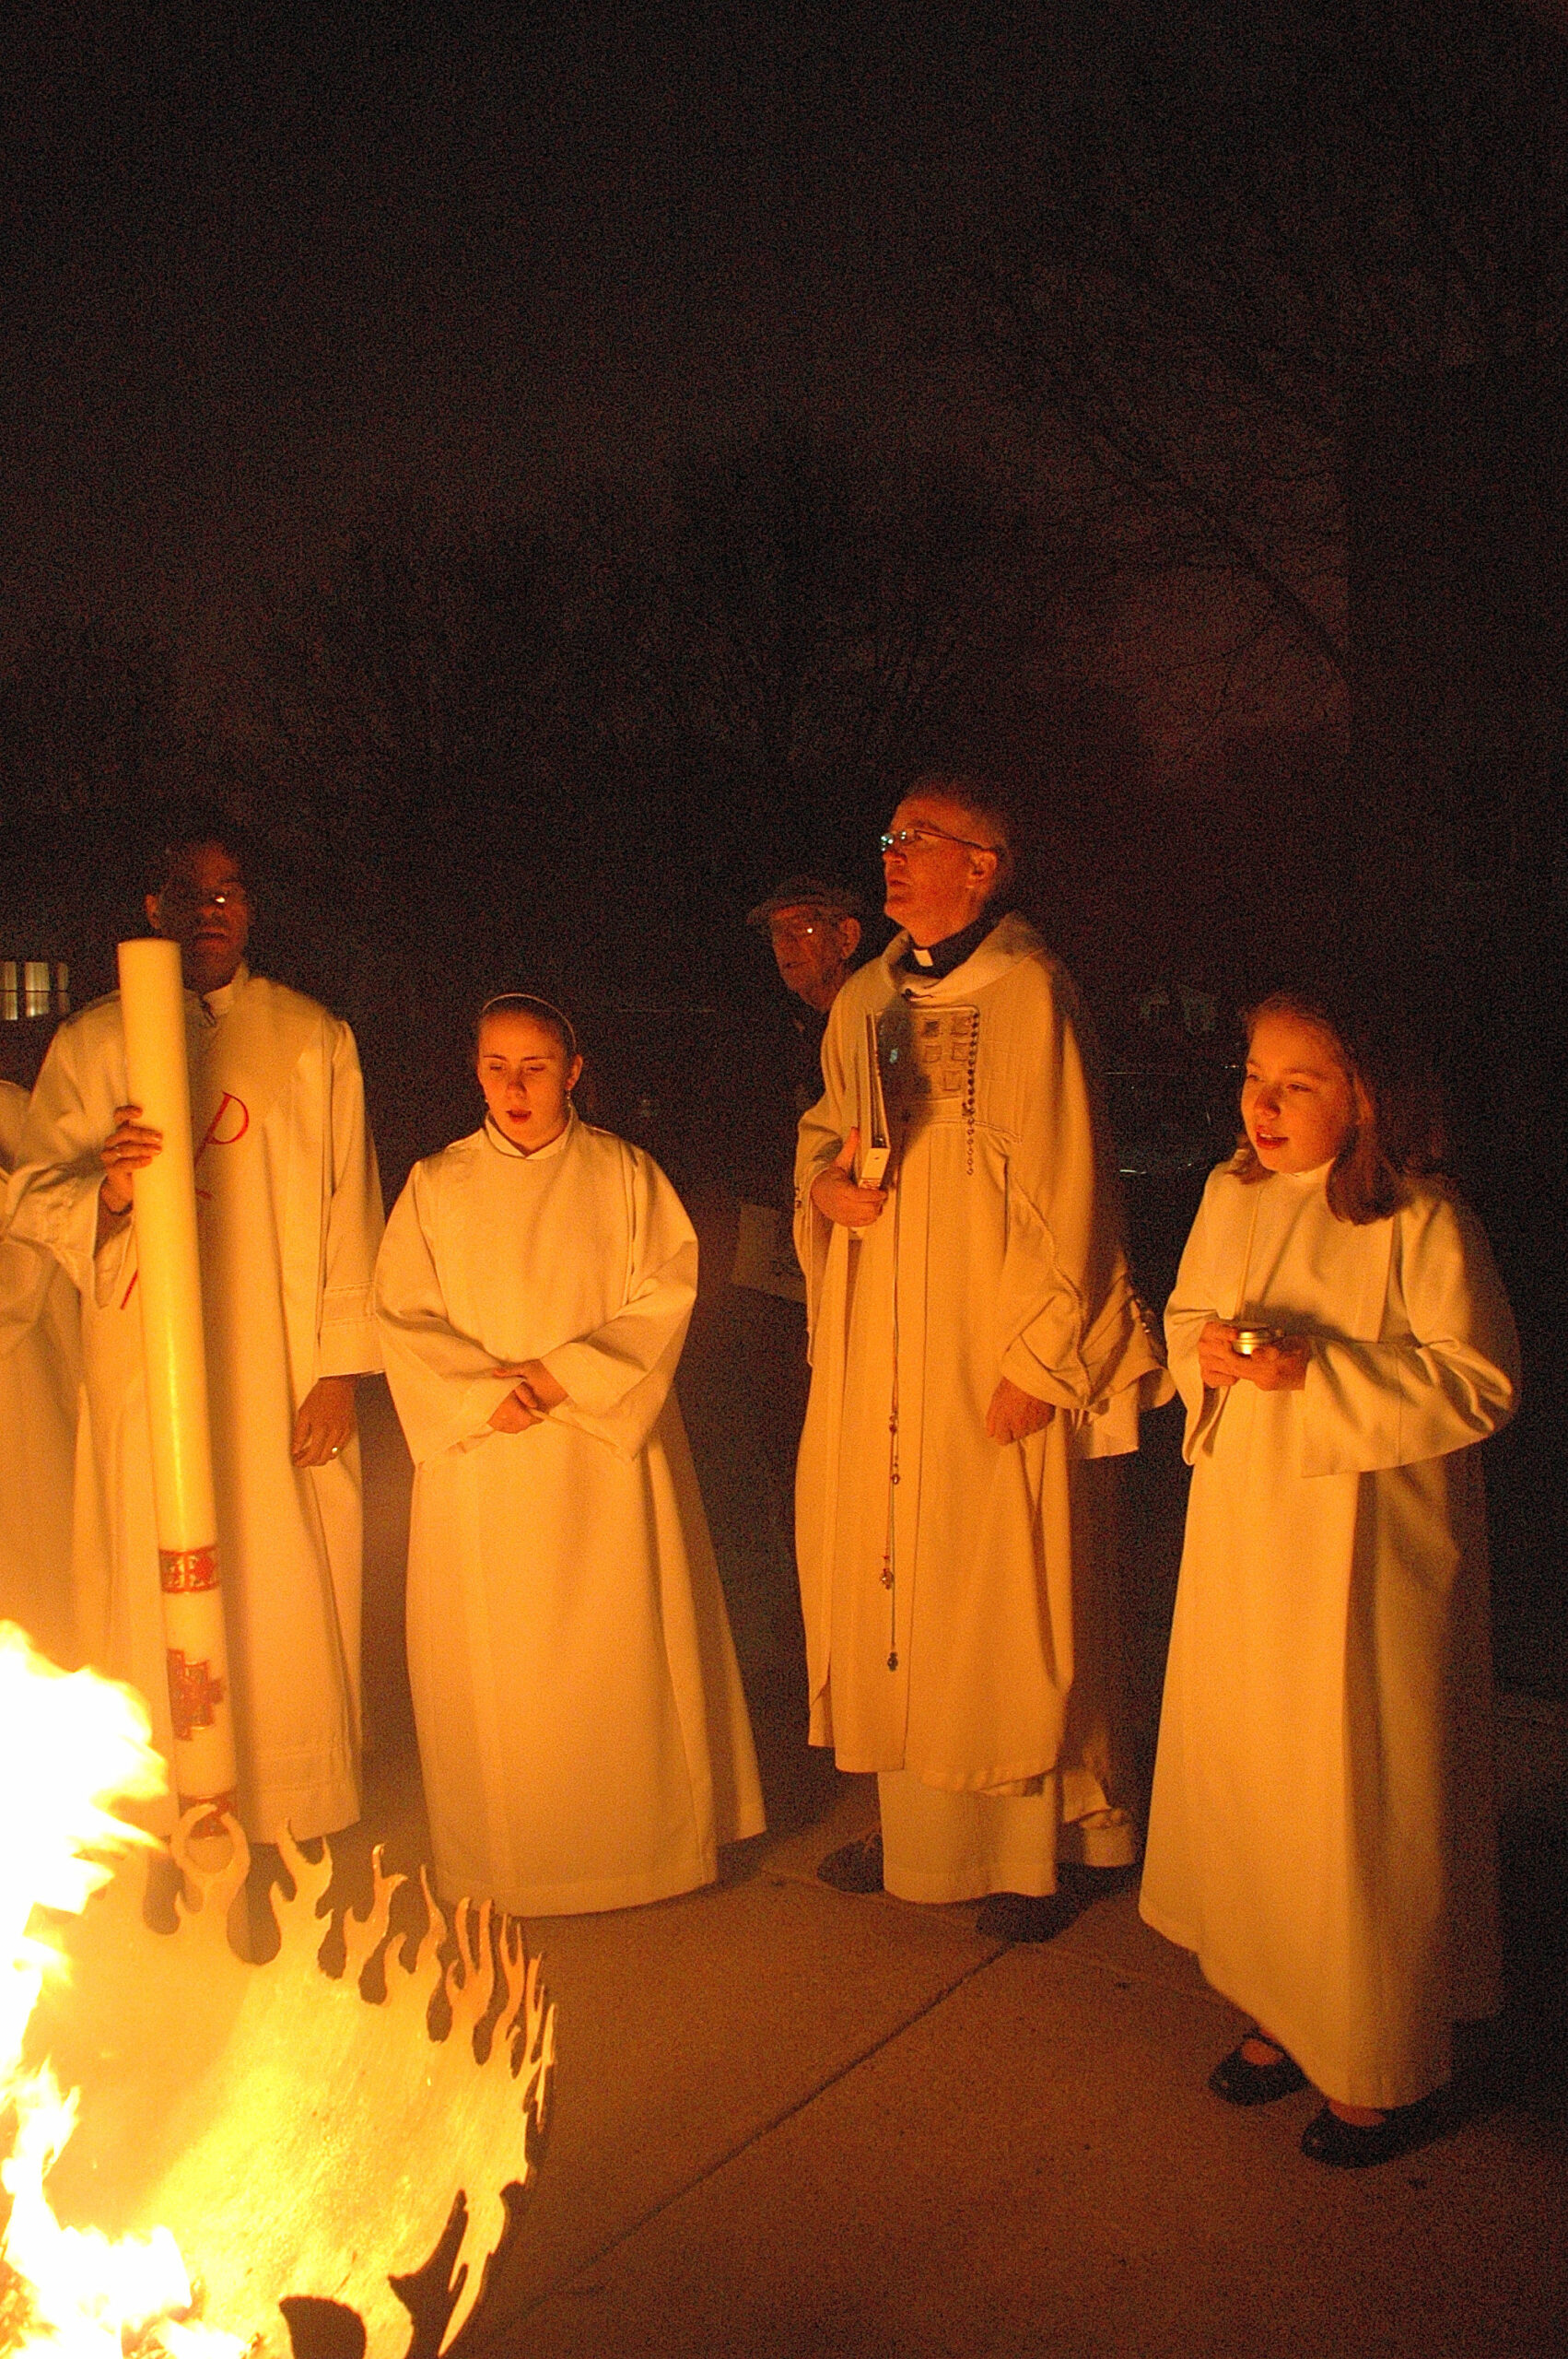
(799, 2124)
(793, 2123)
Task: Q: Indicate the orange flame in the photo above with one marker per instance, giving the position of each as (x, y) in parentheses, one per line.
(72, 1744)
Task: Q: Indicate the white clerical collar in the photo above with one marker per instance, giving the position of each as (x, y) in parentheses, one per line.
(1010, 939)
(215, 1005)
(503, 1145)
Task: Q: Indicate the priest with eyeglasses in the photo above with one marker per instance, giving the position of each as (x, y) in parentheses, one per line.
(979, 1362)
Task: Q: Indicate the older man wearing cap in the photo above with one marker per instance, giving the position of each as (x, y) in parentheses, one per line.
(815, 932)
(756, 1348)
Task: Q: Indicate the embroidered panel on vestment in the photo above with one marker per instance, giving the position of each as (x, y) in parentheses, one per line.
(943, 1041)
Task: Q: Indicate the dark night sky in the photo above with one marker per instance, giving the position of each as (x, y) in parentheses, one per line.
(269, 278)
(279, 273)
(270, 272)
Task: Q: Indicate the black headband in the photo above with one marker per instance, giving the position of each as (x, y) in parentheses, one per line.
(531, 999)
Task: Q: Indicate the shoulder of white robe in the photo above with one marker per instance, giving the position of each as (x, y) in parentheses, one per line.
(100, 1020)
(266, 989)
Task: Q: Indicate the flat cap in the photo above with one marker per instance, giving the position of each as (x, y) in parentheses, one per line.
(807, 893)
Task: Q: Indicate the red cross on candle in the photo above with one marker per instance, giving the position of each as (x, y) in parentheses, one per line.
(193, 1694)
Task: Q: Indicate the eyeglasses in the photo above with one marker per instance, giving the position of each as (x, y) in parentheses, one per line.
(807, 932)
(182, 900)
(915, 839)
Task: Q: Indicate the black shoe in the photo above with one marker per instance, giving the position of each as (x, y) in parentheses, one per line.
(1240, 2082)
(854, 1867)
(1090, 1884)
(1027, 1917)
(1326, 2139)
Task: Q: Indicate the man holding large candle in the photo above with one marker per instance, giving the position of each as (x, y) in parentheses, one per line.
(289, 1218)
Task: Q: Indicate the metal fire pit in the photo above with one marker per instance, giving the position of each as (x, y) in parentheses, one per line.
(337, 2167)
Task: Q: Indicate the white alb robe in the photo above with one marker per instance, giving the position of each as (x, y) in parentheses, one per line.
(289, 1218)
(1322, 1829)
(582, 1730)
(40, 1368)
(958, 1621)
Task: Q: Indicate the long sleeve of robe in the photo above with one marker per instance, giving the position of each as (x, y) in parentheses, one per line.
(959, 1621)
(41, 1356)
(582, 1732)
(289, 1218)
(1321, 1832)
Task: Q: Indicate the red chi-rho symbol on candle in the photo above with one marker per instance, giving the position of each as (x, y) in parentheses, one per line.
(194, 1694)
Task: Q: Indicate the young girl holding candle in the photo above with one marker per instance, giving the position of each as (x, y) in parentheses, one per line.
(1321, 1832)
(582, 1732)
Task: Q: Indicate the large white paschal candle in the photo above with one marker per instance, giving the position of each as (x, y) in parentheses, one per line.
(152, 1003)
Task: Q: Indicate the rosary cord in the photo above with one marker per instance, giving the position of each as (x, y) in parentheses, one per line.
(889, 1561)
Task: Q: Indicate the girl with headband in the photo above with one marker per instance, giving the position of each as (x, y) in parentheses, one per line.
(582, 1732)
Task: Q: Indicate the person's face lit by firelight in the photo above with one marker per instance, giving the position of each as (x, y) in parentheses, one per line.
(940, 867)
(204, 908)
(1297, 1101)
(813, 947)
(525, 1075)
